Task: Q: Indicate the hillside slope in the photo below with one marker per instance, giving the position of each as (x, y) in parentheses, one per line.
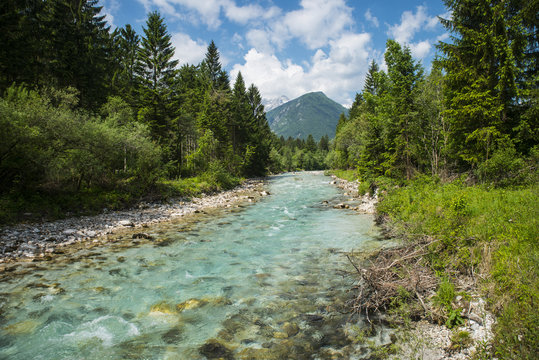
(313, 113)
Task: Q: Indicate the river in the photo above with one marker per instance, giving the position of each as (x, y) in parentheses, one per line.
(264, 280)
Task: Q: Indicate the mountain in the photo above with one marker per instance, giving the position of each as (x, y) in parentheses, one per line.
(313, 113)
(276, 102)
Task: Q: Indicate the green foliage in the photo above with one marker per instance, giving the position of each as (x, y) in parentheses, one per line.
(218, 177)
(51, 148)
(493, 230)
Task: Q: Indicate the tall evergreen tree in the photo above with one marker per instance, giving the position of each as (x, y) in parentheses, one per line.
(156, 70)
(371, 79)
(77, 50)
(127, 55)
(482, 65)
(22, 36)
(404, 74)
(241, 116)
(211, 67)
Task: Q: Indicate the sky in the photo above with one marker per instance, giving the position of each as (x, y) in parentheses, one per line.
(292, 47)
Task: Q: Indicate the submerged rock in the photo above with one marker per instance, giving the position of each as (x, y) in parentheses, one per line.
(163, 308)
(213, 349)
(22, 327)
(290, 329)
(142, 236)
(191, 304)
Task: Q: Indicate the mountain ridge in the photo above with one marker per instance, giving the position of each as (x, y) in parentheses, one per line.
(312, 113)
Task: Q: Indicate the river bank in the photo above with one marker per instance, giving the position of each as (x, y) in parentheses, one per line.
(396, 286)
(36, 240)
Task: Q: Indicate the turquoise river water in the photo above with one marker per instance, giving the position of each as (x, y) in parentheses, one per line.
(267, 280)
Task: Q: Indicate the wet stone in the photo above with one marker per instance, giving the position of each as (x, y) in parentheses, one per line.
(172, 336)
(213, 349)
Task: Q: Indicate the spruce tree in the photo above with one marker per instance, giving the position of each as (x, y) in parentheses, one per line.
(156, 70)
(211, 67)
(371, 79)
(125, 78)
(483, 64)
(404, 75)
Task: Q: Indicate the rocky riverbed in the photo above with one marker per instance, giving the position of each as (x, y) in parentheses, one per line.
(35, 240)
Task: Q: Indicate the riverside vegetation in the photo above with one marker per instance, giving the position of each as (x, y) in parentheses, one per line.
(92, 118)
(453, 156)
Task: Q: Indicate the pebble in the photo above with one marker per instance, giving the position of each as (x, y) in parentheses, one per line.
(25, 240)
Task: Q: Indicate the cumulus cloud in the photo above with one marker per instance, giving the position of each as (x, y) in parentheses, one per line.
(410, 24)
(188, 51)
(244, 14)
(260, 40)
(209, 11)
(318, 21)
(372, 19)
(336, 73)
(421, 49)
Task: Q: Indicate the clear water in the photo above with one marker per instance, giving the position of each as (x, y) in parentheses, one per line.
(267, 280)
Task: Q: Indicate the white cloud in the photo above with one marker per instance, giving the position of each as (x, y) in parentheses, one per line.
(410, 24)
(110, 7)
(318, 21)
(209, 11)
(244, 14)
(336, 73)
(260, 40)
(372, 19)
(188, 51)
(421, 49)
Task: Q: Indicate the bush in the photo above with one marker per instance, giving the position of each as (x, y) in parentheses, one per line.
(218, 178)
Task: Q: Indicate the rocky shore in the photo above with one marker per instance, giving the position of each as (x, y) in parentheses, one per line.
(35, 240)
(367, 203)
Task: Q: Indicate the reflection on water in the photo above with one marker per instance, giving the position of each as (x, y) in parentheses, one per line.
(266, 281)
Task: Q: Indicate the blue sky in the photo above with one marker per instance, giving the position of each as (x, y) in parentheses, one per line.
(291, 47)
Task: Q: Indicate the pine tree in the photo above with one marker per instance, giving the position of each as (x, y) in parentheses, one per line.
(483, 65)
(371, 79)
(404, 74)
(77, 51)
(211, 67)
(156, 70)
(127, 55)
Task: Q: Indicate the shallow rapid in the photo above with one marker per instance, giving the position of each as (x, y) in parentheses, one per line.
(264, 280)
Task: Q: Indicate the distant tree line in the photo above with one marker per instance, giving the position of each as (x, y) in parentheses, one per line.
(476, 111)
(298, 154)
(85, 106)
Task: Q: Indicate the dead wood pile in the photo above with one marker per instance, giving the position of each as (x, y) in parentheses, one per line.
(390, 273)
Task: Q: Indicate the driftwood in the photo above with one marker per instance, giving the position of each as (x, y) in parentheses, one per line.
(390, 273)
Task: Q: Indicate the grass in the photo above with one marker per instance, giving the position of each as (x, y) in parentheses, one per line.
(490, 233)
(350, 175)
